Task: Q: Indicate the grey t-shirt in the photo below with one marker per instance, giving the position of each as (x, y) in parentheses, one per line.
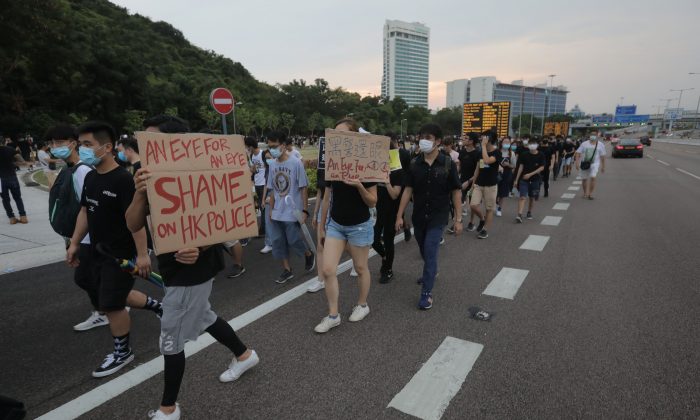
(286, 180)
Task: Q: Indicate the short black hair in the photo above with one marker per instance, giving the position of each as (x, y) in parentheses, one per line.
(279, 136)
(473, 137)
(130, 143)
(493, 137)
(167, 124)
(250, 142)
(102, 131)
(432, 129)
(60, 132)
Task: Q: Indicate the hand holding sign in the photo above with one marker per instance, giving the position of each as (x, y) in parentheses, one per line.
(352, 156)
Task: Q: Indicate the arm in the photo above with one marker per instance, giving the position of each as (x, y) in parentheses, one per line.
(138, 209)
(517, 175)
(324, 211)
(317, 206)
(485, 156)
(405, 198)
(305, 203)
(143, 261)
(81, 229)
(457, 204)
(368, 195)
(393, 190)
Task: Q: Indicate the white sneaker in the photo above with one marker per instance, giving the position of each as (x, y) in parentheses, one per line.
(353, 273)
(237, 368)
(359, 313)
(464, 212)
(327, 323)
(159, 415)
(266, 249)
(498, 213)
(94, 320)
(316, 286)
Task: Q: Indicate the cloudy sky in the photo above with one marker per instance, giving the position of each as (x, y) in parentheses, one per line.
(600, 50)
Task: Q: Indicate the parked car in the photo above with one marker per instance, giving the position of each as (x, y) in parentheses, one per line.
(628, 147)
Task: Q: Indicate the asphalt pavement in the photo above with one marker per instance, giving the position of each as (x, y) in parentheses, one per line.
(604, 324)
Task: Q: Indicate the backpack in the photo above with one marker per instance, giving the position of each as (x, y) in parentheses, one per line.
(64, 202)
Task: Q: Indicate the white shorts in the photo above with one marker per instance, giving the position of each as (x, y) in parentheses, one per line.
(567, 161)
(230, 244)
(590, 173)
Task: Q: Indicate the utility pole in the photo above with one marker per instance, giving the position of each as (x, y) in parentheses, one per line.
(697, 108)
(680, 95)
(549, 101)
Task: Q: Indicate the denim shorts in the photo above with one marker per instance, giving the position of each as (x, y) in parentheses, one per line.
(286, 238)
(529, 188)
(356, 235)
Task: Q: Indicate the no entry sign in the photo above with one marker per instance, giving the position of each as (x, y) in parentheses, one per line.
(221, 100)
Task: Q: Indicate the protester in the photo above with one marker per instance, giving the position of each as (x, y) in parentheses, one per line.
(528, 179)
(546, 150)
(321, 191)
(46, 162)
(485, 187)
(128, 152)
(9, 184)
(346, 221)
(257, 158)
(468, 160)
(431, 181)
(569, 151)
(590, 158)
(505, 182)
(188, 275)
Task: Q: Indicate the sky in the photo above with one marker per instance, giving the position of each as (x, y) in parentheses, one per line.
(600, 50)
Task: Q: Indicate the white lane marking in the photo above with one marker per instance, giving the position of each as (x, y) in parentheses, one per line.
(431, 389)
(506, 283)
(551, 221)
(561, 206)
(223, 101)
(688, 173)
(662, 162)
(578, 177)
(535, 243)
(568, 196)
(105, 392)
(576, 188)
(577, 182)
(650, 156)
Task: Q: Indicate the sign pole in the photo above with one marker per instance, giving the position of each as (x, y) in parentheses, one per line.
(223, 124)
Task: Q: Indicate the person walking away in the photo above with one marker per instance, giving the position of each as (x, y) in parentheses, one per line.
(546, 150)
(528, 179)
(485, 187)
(590, 159)
(9, 184)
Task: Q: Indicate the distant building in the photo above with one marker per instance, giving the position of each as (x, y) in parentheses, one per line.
(406, 62)
(538, 100)
(576, 112)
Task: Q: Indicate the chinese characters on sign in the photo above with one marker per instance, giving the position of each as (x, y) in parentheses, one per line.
(354, 156)
(481, 116)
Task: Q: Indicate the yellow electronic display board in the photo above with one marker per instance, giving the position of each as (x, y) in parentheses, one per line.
(481, 116)
(556, 128)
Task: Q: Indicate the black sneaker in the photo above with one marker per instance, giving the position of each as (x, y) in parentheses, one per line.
(386, 277)
(480, 227)
(244, 242)
(236, 272)
(519, 218)
(546, 193)
(470, 227)
(529, 216)
(284, 277)
(310, 262)
(483, 234)
(113, 363)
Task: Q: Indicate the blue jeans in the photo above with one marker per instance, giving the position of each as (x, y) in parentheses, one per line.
(429, 243)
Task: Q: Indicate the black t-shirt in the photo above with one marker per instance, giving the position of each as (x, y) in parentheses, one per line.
(209, 263)
(530, 162)
(396, 180)
(488, 174)
(432, 186)
(137, 166)
(106, 197)
(348, 208)
(569, 149)
(7, 162)
(547, 152)
(468, 162)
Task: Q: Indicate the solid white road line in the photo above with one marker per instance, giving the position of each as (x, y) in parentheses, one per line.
(431, 389)
(663, 163)
(136, 376)
(506, 283)
(535, 243)
(568, 196)
(577, 182)
(561, 206)
(551, 221)
(574, 188)
(688, 173)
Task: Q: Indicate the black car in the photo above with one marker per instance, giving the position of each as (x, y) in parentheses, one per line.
(645, 141)
(628, 147)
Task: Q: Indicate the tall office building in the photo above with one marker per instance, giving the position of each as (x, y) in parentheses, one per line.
(406, 62)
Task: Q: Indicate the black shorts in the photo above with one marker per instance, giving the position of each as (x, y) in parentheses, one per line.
(113, 285)
(83, 275)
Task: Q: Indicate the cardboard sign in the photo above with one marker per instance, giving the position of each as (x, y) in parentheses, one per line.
(355, 156)
(200, 191)
(321, 153)
(394, 160)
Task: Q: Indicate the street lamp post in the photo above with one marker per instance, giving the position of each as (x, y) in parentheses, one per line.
(402, 128)
(549, 100)
(235, 105)
(663, 118)
(697, 108)
(680, 95)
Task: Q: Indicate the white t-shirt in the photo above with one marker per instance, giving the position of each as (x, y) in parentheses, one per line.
(587, 149)
(259, 177)
(78, 180)
(294, 152)
(43, 159)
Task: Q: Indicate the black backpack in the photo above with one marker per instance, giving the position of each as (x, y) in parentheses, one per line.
(64, 203)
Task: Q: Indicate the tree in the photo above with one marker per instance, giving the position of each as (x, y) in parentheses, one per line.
(315, 122)
(133, 120)
(526, 129)
(287, 122)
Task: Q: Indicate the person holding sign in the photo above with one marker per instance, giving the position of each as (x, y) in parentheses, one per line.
(431, 181)
(349, 224)
(188, 275)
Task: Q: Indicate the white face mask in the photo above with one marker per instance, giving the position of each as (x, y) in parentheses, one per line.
(461, 143)
(593, 138)
(426, 146)
(532, 147)
(525, 142)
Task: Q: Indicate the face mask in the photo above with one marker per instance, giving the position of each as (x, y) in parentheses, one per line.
(532, 147)
(593, 138)
(461, 143)
(62, 152)
(513, 147)
(121, 156)
(506, 147)
(87, 156)
(426, 146)
(269, 161)
(276, 152)
(525, 142)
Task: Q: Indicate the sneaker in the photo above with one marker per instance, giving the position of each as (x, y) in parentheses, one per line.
(386, 277)
(483, 234)
(94, 320)
(498, 212)
(426, 301)
(519, 218)
(546, 194)
(480, 227)
(159, 415)
(451, 229)
(310, 262)
(464, 211)
(244, 242)
(442, 240)
(470, 227)
(529, 216)
(353, 273)
(237, 271)
(359, 313)
(14, 220)
(316, 286)
(327, 323)
(266, 249)
(238, 367)
(113, 363)
(284, 277)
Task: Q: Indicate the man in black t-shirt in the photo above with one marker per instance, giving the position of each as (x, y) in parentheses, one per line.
(107, 192)
(546, 150)
(431, 181)
(528, 179)
(9, 184)
(188, 275)
(569, 151)
(486, 185)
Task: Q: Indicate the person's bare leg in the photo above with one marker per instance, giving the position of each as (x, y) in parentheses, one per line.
(360, 256)
(489, 218)
(237, 253)
(476, 210)
(591, 187)
(521, 204)
(119, 322)
(332, 252)
(136, 299)
(530, 204)
(585, 188)
(285, 264)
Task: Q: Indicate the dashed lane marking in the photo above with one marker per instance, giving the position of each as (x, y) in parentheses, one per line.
(688, 173)
(551, 221)
(663, 163)
(535, 243)
(568, 196)
(506, 283)
(561, 206)
(577, 182)
(574, 188)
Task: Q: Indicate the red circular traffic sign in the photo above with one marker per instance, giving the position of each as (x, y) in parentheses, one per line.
(222, 100)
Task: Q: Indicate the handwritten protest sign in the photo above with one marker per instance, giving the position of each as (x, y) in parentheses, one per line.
(355, 156)
(394, 160)
(200, 191)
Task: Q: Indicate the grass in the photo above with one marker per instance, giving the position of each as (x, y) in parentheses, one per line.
(40, 178)
(310, 152)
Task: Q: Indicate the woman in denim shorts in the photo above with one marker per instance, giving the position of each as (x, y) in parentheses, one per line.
(348, 223)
